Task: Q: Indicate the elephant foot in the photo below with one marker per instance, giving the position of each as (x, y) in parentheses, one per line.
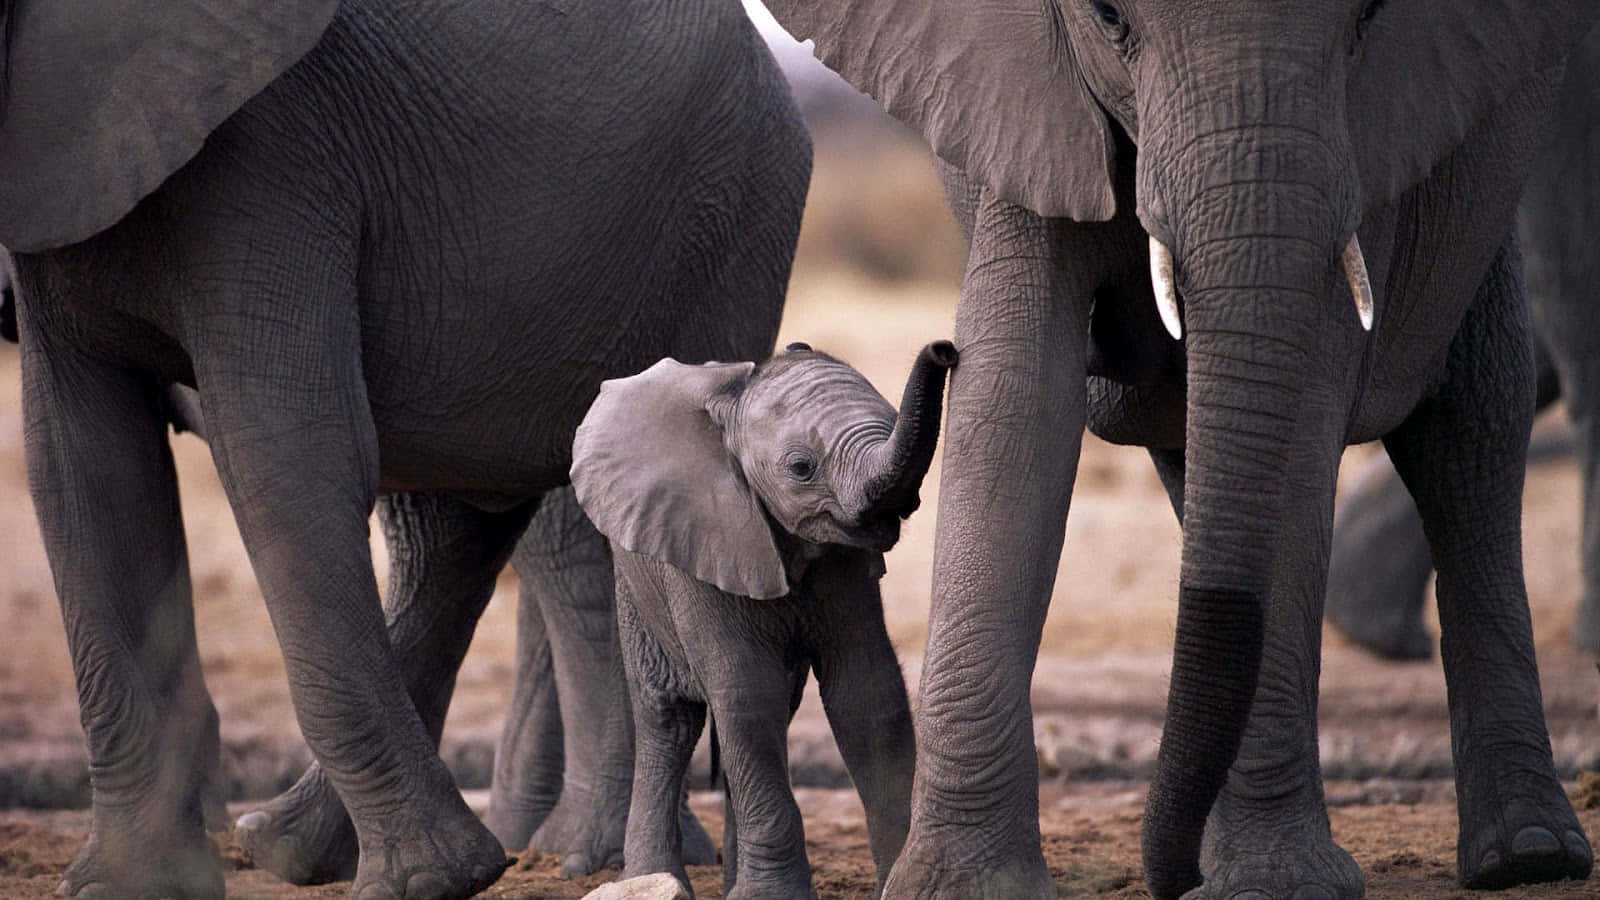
(1528, 838)
(1296, 864)
(302, 835)
(586, 832)
(446, 855)
(141, 863)
(927, 869)
(514, 824)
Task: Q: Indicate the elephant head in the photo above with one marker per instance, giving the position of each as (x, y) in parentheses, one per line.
(1261, 134)
(689, 464)
(101, 101)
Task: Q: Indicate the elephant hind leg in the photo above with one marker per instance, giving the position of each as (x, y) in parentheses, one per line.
(106, 493)
(1462, 456)
(444, 558)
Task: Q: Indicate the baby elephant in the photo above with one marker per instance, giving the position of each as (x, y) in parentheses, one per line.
(748, 508)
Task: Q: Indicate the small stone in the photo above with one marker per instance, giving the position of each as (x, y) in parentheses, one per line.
(659, 886)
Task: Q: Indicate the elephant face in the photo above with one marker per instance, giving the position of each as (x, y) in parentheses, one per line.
(689, 464)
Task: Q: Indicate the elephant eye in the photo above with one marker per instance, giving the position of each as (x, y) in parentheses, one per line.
(800, 467)
(1111, 18)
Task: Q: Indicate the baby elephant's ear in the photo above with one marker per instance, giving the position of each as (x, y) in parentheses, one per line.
(651, 470)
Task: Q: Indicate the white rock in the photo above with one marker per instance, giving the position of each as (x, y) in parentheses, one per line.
(659, 886)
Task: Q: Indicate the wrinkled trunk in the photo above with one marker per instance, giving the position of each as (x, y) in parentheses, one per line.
(1257, 240)
(900, 464)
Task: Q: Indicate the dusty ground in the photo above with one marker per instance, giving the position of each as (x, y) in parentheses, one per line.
(1099, 691)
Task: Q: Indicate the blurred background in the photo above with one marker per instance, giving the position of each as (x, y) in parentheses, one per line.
(877, 276)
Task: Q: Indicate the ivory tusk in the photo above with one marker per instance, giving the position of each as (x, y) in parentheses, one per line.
(1355, 271)
(1166, 288)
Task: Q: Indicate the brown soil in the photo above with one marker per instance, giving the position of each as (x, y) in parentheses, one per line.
(1098, 693)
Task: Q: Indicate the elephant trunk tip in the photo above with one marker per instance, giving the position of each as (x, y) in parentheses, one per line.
(904, 458)
(942, 354)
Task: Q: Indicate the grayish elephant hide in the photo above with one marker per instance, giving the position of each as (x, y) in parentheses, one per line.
(398, 264)
(1322, 197)
(828, 470)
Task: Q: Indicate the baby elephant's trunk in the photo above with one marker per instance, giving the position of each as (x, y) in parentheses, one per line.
(904, 458)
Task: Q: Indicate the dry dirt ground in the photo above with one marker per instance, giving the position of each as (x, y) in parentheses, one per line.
(1099, 690)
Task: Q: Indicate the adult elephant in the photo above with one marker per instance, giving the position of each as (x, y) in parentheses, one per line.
(561, 783)
(1266, 163)
(1380, 563)
(395, 247)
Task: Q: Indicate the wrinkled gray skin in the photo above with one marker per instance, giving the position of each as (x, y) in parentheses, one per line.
(1380, 565)
(835, 471)
(402, 267)
(1253, 140)
(559, 787)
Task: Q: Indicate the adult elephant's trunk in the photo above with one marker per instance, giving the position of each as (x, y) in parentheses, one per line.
(898, 465)
(1257, 252)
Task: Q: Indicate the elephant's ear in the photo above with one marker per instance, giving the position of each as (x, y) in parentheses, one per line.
(101, 100)
(650, 469)
(992, 84)
(1430, 70)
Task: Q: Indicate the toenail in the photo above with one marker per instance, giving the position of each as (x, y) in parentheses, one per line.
(1577, 845)
(377, 890)
(1490, 862)
(426, 886)
(1313, 892)
(1535, 841)
(1250, 895)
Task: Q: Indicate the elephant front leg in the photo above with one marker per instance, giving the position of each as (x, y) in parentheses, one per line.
(565, 567)
(1462, 455)
(667, 726)
(106, 494)
(295, 446)
(864, 695)
(1015, 424)
(444, 558)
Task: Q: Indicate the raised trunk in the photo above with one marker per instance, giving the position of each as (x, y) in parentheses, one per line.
(900, 464)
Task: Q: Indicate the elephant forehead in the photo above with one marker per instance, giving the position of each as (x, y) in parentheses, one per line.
(817, 391)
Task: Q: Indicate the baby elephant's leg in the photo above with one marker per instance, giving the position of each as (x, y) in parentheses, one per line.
(666, 727)
(864, 696)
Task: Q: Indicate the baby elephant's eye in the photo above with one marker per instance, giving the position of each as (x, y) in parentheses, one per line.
(801, 468)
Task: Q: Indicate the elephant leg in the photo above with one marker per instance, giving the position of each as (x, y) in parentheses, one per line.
(528, 758)
(445, 555)
(864, 696)
(1014, 429)
(666, 726)
(1379, 568)
(1462, 456)
(296, 448)
(1558, 216)
(566, 564)
(105, 490)
(752, 720)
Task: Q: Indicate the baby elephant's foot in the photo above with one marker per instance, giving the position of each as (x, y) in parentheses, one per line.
(585, 831)
(440, 857)
(140, 863)
(303, 835)
(1525, 843)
